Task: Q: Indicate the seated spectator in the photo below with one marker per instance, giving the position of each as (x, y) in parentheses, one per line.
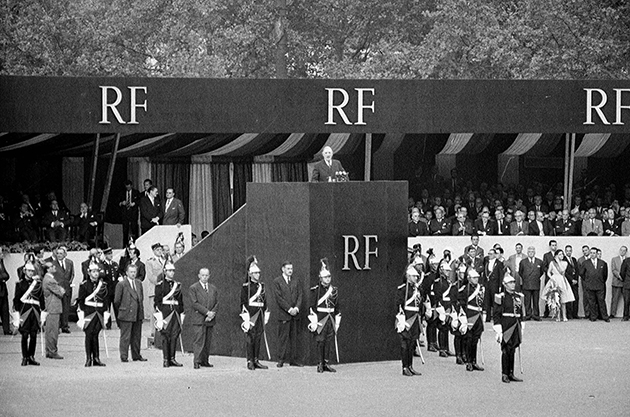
(484, 225)
(55, 221)
(417, 227)
(25, 224)
(439, 226)
(611, 226)
(625, 224)
(519, 227)
(86, 224)
(540, 226)
(462, 225)
(503, 225)
(592, 226)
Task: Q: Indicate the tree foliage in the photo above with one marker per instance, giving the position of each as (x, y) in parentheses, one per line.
(518, 39)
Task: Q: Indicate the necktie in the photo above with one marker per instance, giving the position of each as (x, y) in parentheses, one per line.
(168, 204)
(128, 197)
(205, 287)
(61, 265)
(55, 213)
(592, 224)
(133, 285)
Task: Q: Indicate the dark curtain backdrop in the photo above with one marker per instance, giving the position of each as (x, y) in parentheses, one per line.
(221, 202)
(289, 172)
(175, 175)
(242, 175)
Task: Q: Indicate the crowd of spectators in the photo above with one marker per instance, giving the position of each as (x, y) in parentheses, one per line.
(457, 208)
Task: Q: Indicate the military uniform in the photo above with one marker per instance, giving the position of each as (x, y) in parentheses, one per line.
(169, 301)
(254, 302)
(508, 312)
(428, 288)
(109, 274)
(94, 302)
(445, 294)
(472, 297)
(409, 301)
(325, 304)
(29, 301)
(459, 309)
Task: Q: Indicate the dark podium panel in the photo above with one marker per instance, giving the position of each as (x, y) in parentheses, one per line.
(361, 227)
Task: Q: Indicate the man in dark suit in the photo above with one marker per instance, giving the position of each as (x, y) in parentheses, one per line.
(540, 226)
(204, 301)
(611, 226)
(109, 274)
(539, 205)
(56, 222)
(439, 226)
(474, 243)
(462, 226)
(64, 275)
(25, 224)
(417, 227)
(519, 226)
(129, 203)
(288, 294)
(484, 225)
(549, 256)
(174, 213)
(565, 226)
(128, 300)
(530, 270)
(503, 227)
(471, 260)
(150, 210)
(86, 224)
(325, 170)
(594, 275)
(493, 271)
(4, 295)
(624, 275)
(573, 278)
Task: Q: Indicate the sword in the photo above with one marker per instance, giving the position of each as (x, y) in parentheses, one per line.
(42, 337)
(420, 351)
(483, 360)
(105, 340)
(520, 362)
(336, 347)
(266, 344)
(181, 329)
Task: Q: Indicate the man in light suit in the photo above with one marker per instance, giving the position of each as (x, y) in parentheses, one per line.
(325, 170)
(592, 226)
(288, 294)
(174, 213)
(204, 301)
(519, 227)
(530, 270)
(64, 275)
(617, 282)
(594, 274)
(513, 264)
(128, 302)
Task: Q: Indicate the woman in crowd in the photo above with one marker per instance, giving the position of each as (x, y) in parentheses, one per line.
(558, 284)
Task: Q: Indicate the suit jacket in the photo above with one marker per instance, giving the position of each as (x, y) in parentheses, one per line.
(48, 218)
(565, 228)
(322, 172)
(534, 229)
(148, 211)
(572, 270)
(625, 228)
(624, 273)
(53, 292)
(594, 278)
(128, 301)
(85, 231)
(547, 260)
(155, 271)
(598, 228)
(496, 274)
(440, 227)
(201, 303)
(490, 227)
(476, 263)
(287, 296)
(4, 277)
(466, 231)
(531, 273)
(513, 263)
(613, 229)
(175, 214)
(503, 228)
(64, 276)
(122, 268)
(514, 228)
(615, 266)
(479, 254)
(418, 229)
(129, 212)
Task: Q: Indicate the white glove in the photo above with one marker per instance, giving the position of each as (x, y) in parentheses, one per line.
(246, 324)
(43, 316)
(106, 316)
(182, 317)
(498, 329)
(81, 320)
(312, 318)
(159, 320)
(400, 321)
(454, 321)
(441, 313)
(337, 322)
(267, 315)
(522, 328)
(15, 318)
(484, 316)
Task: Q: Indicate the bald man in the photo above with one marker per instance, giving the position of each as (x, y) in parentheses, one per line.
(324, 170)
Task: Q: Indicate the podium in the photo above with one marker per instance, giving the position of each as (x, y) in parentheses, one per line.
(361, 227)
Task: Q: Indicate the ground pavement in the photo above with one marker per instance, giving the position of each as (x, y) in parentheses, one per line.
(577, 368)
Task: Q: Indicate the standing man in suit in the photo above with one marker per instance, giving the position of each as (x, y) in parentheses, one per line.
(594, 276)
(4, 295)
(625, 278)
(174, 213)
(150, 209)
(586, 254)
(493, 276)
(617, 283)
(129, 202)
(155, 270)
(64, 275)
(513, 264)
(128, 300)
(592, 226)
(530, 270)
(324, 170)
(53, 293)
(548, 257)
(204, 298)
(474, 243)
(519, 227)
(288, 295)
(572, 274)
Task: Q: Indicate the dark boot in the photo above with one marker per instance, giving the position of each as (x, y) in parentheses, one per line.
(32, 361)
(24, 361)
(505, 379)
(328, 368)
(250, 365)
(166, 363)
(320, 368)
(469, 367)
(88, 362)
(413, 371)
(477, 367)
(259, 365)
(173, 362)
(406, 372)
(97, 362)
(514, 379)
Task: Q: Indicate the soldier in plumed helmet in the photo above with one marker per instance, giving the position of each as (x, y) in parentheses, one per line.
(409, 318)
(254, 313)
(459, 324)
(444, 292)
(428, 285)
(94, 312)
(169, 306)
(509, 309)
(29, 302)
(324, 315)
(472, 297)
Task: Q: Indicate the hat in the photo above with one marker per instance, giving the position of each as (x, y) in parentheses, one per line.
(324, 270)
(29, 266)
(473, 273)
(446, 266)
(180, 238)
(252, 264)
(412, 271)
(417, 260)
(434, 260)
(169, 266)
(462, 267)
(156, 245)
(107, 250)
(93, 266)
(508, 278)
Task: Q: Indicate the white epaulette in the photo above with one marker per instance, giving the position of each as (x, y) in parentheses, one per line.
(245, 284)
(401, 286)
(498, 298)
(314, 288)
